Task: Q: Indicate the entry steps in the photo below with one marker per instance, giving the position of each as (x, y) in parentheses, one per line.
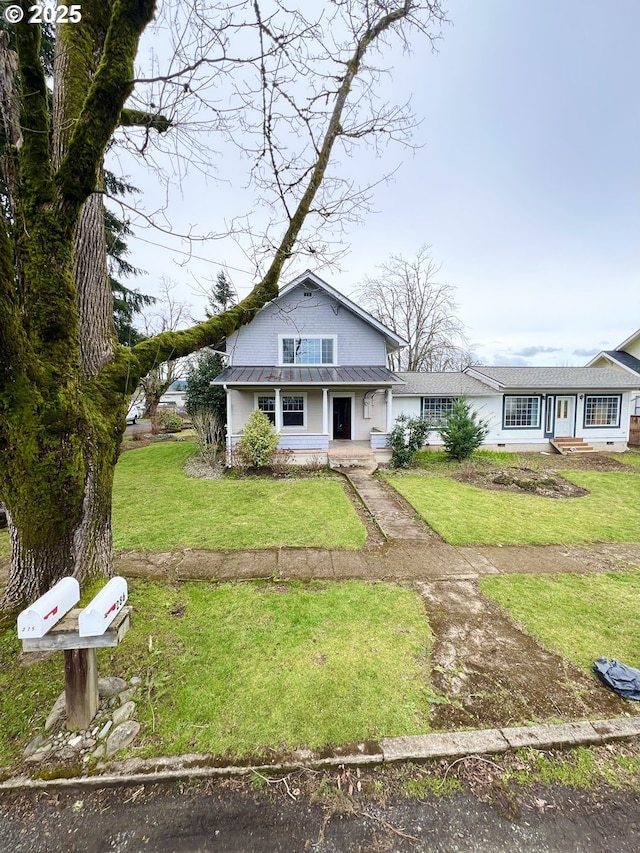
(568, 446)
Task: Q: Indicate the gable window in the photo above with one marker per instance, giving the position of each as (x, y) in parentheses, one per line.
(521, 412)
(602, 410)
(267, 404)
(314, 349)
(292, 410)
(436, 409)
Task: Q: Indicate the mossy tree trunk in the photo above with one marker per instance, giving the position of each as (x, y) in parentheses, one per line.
(65, 382)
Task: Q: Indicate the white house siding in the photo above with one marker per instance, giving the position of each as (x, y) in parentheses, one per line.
(525, 439)
(295, 314)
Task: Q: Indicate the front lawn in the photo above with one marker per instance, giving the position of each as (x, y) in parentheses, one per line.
(467, 515)
(157, 507)
(583, 617)
(236, 668)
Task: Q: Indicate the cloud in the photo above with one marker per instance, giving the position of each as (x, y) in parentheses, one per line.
(508, 361)
(585, 353)
(528, 352)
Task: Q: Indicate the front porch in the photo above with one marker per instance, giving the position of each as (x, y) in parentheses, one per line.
(336, 453)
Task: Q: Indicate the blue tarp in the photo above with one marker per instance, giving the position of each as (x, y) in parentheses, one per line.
(624, 679)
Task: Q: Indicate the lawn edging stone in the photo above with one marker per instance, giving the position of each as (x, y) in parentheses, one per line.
(441, 745)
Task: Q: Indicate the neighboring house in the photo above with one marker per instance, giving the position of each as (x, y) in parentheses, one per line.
(175, 396)
(316, 364)
(625, 357)
(529, 407)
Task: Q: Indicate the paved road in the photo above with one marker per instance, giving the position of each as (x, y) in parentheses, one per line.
(235, 817)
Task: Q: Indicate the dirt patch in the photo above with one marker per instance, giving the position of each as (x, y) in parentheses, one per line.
(548, 484)
(490, 673)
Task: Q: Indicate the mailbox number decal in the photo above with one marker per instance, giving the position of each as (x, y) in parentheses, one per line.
(116, 604)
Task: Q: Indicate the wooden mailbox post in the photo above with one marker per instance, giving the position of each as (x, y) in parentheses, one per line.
(104, 622)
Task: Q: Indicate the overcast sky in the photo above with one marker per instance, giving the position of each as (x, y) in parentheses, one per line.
(527, 184)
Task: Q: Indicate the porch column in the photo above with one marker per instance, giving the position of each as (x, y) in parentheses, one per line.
(229, 419)
(325, 411)
(278, 411)
(389, 409)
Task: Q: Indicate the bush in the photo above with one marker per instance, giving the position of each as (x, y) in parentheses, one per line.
(406, 438)
(209, 430)
(200, 393)
(462, 431)
(170, 421)
(259, 441)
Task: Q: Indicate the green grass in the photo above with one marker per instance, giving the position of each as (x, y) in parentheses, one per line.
(237, 668)
(438, 459)
(630, 457)
(583, 617)
(156, 506)
(466, 515)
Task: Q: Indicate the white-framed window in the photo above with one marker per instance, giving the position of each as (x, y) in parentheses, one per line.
(293, 410)
(267, 404)
(436, 409)
(521, 412)
(603, 410)
(311, 349)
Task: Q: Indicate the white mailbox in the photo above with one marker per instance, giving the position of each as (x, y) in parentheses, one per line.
(103, 609)
(43, 614)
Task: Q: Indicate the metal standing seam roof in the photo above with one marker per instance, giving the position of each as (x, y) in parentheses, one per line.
(450, 384)
(306, 376)
(558, 377)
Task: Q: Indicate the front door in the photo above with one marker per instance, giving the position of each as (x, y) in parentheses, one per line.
(564, 416)
(342, 417)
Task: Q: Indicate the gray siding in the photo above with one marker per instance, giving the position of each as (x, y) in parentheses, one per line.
(257, 343)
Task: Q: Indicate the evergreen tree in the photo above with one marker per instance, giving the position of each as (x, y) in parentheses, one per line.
(462, 431)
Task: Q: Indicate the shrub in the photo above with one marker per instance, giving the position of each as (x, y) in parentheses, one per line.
(259, 441)
(209, 430)
(170, 421)
(406, 438)
(462, 431)
(200, 393)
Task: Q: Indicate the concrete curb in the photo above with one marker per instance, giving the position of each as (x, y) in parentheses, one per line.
(446, 745)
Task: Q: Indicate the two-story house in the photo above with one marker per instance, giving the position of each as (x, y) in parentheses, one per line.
(316, 364)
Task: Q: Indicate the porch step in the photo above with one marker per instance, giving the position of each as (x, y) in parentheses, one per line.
(354, 459)
(569, 446)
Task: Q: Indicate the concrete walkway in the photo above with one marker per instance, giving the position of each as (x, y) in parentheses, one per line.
(386, 508)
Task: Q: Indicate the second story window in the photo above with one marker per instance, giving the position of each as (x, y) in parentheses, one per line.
(314, 349)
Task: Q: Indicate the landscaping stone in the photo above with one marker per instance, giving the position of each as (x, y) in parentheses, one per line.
(104, 731)
(98, 752)
(127, 695)
(125, 712)
(76, 741)
(121, 737)
(34, 745)
(135, 680)
(110, 686)
(57, 712)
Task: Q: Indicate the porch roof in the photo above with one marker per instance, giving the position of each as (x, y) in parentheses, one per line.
(378, 376)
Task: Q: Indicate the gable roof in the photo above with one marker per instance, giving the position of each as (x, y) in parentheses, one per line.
(449, 384)
(553, 377)
(393, 340)
(630, 340)
(619, 358)
(624, 359)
